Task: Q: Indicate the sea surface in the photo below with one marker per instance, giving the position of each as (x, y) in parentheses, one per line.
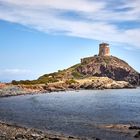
(75, 112)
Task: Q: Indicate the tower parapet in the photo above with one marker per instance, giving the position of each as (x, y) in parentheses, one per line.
(104, 49)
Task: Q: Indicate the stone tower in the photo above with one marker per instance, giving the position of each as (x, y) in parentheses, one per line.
(104, 49)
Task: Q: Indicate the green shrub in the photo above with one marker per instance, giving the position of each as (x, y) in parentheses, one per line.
(14, 82)
(70, 81)
(76, 74)
(25, 82)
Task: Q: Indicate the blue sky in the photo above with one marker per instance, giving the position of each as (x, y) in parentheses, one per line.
(43, 36)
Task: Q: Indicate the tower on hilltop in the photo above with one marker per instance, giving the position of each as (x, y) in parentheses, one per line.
(104, 49)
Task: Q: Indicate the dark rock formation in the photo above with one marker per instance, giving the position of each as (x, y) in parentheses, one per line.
(108, 66)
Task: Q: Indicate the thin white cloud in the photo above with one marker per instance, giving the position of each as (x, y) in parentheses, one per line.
(7, 75)
(14, 72)
(78, 5)
(95, 18)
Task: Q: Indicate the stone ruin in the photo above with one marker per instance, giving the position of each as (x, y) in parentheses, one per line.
(104, 50)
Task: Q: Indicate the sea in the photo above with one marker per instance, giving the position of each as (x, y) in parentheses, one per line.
(76, 113)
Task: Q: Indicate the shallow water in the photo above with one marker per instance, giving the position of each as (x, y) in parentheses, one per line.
(75, 113)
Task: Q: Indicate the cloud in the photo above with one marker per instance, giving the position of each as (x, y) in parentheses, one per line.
(14, 72)
(78, 5)
(99, 20)
(7, 75)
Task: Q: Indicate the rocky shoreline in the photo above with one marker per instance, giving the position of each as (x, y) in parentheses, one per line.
(14, 132)
(94, 83)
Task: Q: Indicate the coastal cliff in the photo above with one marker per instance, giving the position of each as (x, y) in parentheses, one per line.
(108, 66)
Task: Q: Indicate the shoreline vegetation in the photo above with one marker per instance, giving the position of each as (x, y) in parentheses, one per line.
(94, 83)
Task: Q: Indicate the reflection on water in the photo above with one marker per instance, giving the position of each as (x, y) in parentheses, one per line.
(73, 112)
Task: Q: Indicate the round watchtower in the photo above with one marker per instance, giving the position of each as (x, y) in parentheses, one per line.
(104, 49)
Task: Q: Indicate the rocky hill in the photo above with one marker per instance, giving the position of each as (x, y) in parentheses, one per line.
(108, 66)
(99, 66)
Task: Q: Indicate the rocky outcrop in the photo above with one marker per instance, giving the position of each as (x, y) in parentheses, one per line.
(88, 83)
(103, 83)
(108, 66)
(14, 90)
(100, 66)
